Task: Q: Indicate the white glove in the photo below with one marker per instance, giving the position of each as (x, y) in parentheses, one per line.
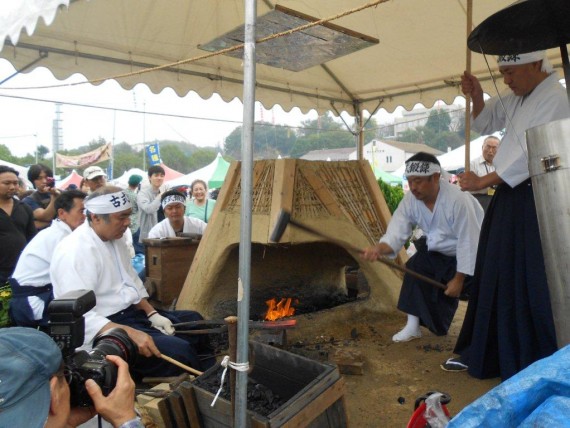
(161, 323)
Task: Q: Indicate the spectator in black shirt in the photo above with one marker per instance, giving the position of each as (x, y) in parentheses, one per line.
(42, 201)
(16, 222)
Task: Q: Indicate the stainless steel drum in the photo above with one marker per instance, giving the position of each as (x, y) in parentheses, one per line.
(549, 166)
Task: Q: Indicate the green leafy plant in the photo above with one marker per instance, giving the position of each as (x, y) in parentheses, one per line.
(392, 194)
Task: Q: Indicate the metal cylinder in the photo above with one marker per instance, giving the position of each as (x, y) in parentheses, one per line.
(549, 167)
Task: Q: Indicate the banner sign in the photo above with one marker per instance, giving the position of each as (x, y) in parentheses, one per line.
(98, 155)
(153, 154)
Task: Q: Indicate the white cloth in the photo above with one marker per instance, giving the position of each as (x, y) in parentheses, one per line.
(83, 261)
(451, 229)
(547, 102)
(165, 230)
(34, 262)
(479, 166)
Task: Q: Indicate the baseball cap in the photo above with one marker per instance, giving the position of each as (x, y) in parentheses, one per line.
(92, 172)
(29, 359)
(135, 179)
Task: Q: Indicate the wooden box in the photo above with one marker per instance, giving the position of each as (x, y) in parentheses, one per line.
(314, 392)
(167, 262)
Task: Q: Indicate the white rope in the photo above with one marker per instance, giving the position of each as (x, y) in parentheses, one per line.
(240, 367)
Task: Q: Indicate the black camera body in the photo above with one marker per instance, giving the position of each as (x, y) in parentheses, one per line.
(67, 328)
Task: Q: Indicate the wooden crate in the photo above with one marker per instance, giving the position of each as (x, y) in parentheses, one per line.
(167, 262)
(314, 392)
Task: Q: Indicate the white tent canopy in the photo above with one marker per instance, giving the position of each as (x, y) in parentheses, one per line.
(22, 171)
(420, 55)
(123, 180)
(204, 173)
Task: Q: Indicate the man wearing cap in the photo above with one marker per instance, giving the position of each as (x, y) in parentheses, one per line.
(451, 220)
(30, 282)
(508, 324)
(131, 191)
(483, 165)
(94, 177)
(34, 392)
(95, 257)
(176, 223)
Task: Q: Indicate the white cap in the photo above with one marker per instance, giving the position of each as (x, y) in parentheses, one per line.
(92, 172)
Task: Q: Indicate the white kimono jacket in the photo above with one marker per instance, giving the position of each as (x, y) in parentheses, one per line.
(83, 261)
(165, 230)
(451, 229)
(547, 102)
(34, 262)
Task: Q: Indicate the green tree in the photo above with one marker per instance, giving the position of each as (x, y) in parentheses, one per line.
(438, 121)
(322, 133)
(6, 154)
(42, 152)
(174, 157)
(269, 141)
(202, 157)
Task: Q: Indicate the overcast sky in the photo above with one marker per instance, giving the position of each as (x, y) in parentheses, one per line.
(26, 122)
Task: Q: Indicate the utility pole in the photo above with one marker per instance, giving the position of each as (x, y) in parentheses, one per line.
(57, 137)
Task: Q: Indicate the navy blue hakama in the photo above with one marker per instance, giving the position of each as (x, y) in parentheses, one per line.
(434, 309)
(508, 324)
(192, 350)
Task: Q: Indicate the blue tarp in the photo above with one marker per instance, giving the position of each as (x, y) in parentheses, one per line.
(538, 396)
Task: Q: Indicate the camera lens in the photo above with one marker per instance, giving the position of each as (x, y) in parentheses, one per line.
(115, 341)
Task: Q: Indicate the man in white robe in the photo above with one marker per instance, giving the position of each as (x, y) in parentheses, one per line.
(95, 257)
(451, 221)
(508, 324)
(176, 223)
(30, 282)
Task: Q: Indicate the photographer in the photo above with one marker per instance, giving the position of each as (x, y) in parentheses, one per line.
(94, 257)
(34, 392)
(42, 201)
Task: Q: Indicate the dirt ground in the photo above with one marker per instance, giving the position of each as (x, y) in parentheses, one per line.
(395, 374)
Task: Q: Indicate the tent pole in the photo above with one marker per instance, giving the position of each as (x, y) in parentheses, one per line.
(359, 116)
(468, 97)
(243, 288)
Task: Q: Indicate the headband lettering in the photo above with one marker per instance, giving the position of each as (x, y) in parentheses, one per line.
(422, 168)
(519, 59)
(108, 204)
(173, 199)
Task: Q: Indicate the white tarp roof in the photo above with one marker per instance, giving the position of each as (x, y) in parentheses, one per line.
(22, 171)
(123, 180)
(421, 49)
(204, 173)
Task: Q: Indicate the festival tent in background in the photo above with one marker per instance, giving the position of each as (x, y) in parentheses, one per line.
(169, 173)
(386, 177)
(123, 180)
(73, 178)
(213, 174)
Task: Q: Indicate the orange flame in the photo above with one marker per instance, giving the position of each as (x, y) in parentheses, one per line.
(276, 310)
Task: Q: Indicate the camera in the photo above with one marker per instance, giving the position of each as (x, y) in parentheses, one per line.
(66, 327)
(50, 182)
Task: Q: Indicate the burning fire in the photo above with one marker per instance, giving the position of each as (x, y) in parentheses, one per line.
(277, 310)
